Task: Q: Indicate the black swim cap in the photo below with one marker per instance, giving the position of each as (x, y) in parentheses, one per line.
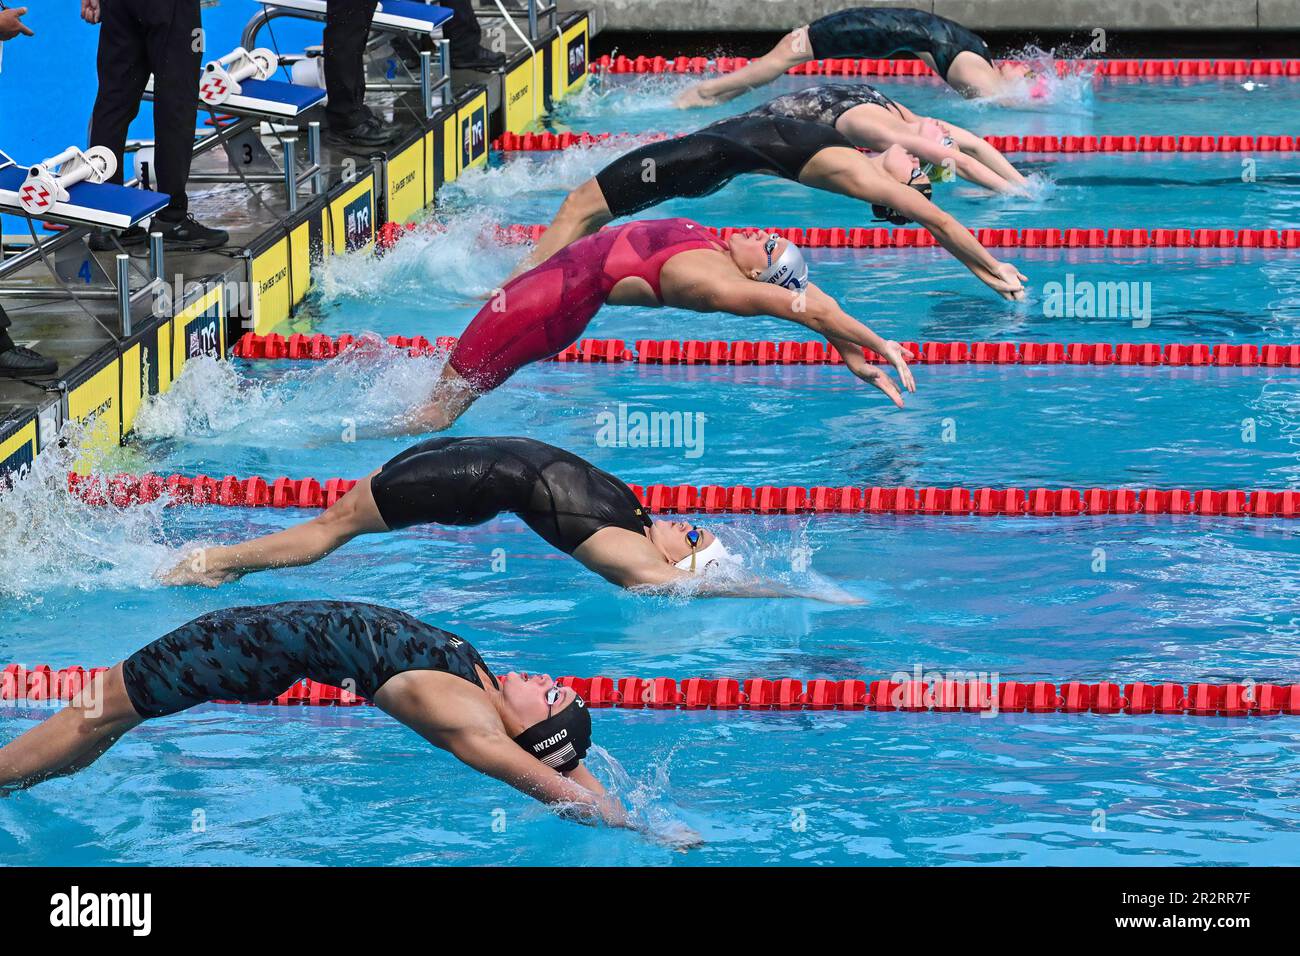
(888, 214)
(561, 740)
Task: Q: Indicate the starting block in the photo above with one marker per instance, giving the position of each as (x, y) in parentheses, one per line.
(392, 16)
(220, 79)
(407, 16)
(238, 83)
(72, 188)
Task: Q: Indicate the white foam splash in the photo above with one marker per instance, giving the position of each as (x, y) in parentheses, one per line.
(434, 265)
(367, 388)
(1071, 93)
(1039, 188)
(527, 174)
(647, 799)
(629, 95)
(782, 566)
(51, 538)
(209, 398)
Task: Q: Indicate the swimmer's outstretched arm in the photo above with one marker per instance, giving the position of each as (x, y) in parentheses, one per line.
(648, 573)
(952, 157)
(988, 154)
(815, 310)
(1002, 277)
(578, 797)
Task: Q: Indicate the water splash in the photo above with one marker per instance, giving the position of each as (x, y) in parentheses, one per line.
(632, 95)
(1039, 189)
(367, 389)
(530, 174)
(209, 398)
(650, 808)
(784, 567)
(439, 263)
(51, 538)
(1071, 93)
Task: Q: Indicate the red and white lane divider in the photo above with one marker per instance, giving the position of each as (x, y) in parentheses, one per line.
(43, 683)
(554, 142)
(907, 237)
(1131, 69)
(764, 352)
(256, 492)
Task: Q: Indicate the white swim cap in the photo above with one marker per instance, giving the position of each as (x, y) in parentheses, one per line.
(715, 553)
(789, 271)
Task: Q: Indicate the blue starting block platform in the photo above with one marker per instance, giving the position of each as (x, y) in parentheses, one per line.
(404, 15)
(89, 204)
(265, 98)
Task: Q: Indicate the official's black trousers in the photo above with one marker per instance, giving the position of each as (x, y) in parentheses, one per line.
(462, 30)
(139, 37)
(347, 25)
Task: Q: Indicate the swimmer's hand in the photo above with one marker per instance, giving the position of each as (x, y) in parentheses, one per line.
(691, 99)
(677, 836)
(1008, 282)
(893, 353)
(194, 569)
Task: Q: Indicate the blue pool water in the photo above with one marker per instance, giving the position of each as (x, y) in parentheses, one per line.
(1144, 598)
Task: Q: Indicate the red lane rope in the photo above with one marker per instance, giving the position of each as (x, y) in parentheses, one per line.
(551, 142)
(257, 492)
(41, 683)
(907, 237)
(1132, 69)
(764, 352)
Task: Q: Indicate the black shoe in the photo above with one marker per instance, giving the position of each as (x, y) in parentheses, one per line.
(369, 133)
(189, 233)
(408, 53)
(481, 59)
(20, 362)
(101, 240)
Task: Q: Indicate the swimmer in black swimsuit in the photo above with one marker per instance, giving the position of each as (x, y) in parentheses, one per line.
(810, 152)
(523, 729)
(948, 48)
(570, 503)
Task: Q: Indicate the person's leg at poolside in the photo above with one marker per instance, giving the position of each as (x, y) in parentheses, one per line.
(172, 39)
(72, 739)
(123, 66)
(352, 515)
(347, 27)
(793, 50)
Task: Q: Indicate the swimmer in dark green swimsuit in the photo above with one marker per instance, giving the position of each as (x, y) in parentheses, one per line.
(948, 48)
(521, 728)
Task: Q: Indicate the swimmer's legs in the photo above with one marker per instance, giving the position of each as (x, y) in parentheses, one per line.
(72, 739)
(583, 212)
(972, 76)
(794, 49)
(352, 515)
(451, 398)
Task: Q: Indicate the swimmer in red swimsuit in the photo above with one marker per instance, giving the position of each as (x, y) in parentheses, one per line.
(649, 263)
